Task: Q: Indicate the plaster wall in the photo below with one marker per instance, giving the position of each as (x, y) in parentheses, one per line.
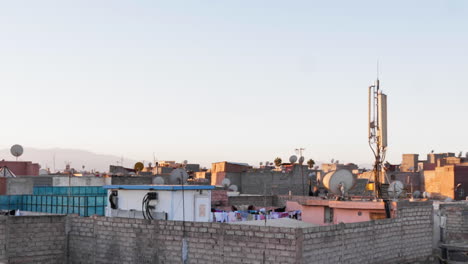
(197, 206)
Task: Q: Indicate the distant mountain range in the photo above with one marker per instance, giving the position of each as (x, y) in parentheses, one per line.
(77, 158)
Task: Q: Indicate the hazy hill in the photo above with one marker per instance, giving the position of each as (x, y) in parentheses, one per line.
(77, 158)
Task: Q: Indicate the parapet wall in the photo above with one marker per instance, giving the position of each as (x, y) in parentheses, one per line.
(406, 238)
(50, 239)
(114, 240)
(455, 228)
(33, 239)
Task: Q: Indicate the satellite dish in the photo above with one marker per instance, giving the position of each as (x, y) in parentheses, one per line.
(185, 162)
(301, 160)
(226, 182)
(334, 180)
(233, 188)
(158, 180)
(16, 150)
(416, 194)
(426, 195)
(139, 166)
(293, 159)
(395, 189)
(178, 176)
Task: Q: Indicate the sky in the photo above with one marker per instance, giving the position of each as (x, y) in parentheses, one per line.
(244, 81)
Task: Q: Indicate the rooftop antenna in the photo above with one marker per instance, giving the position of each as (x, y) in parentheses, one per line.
(377, 69)
(54, 162)
(301, 161)
(377, 124)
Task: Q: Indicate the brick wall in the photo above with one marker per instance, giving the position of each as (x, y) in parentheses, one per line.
(404, 239)
(33, 239)
(261, 201)
(456, 225)
(3, 239)
(43, 239)
(131, 180)
(124, 240)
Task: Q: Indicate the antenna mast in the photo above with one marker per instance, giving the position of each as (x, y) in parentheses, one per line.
(378, 132)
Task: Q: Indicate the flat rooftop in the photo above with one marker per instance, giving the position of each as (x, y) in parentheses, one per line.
(160, 187)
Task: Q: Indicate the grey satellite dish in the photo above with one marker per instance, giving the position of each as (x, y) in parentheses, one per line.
(158, 180)
(416, 194)
(185, 162)
(178, 176)
(395, 189)
(301, 160)
(233, 188)
(426, 195)
(335, 180)
(226, 182)
(448, 200)
(293, 159)
(16, 150)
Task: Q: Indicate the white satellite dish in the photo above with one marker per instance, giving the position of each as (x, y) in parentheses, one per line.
(395, 189)
(16, 150)
(301, 160)
(293, 159)
(233, 188)
(158, 180)
(334, 180)
(426, 195)
(226, 182)
(178, 176)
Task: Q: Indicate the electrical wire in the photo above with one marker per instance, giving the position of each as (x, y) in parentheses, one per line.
(145, 207)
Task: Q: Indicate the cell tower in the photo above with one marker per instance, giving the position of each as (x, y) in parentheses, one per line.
(378, 132)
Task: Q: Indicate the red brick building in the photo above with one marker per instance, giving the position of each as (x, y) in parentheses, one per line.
(21, 168)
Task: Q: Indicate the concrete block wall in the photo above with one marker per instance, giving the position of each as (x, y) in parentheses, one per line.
(49, 239)
(259, 201)
(33, 239)
(3, 242)
(456, 222)
(407, 238)
(111, 240)
(417, 222)
(366, 242)
(124, 240)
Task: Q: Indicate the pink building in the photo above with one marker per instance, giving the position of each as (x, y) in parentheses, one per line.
(21, 168)
(328, 212)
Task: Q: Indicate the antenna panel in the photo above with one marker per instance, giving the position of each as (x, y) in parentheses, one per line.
(383, 118)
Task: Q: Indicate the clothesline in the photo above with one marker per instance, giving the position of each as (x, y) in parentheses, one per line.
(239, 216)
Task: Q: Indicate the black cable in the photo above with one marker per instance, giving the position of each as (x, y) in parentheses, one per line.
(148, 211)
(143, 206)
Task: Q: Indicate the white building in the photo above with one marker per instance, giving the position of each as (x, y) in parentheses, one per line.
(160, 202)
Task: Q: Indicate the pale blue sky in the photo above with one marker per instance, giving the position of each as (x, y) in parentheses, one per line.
(232, 80)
